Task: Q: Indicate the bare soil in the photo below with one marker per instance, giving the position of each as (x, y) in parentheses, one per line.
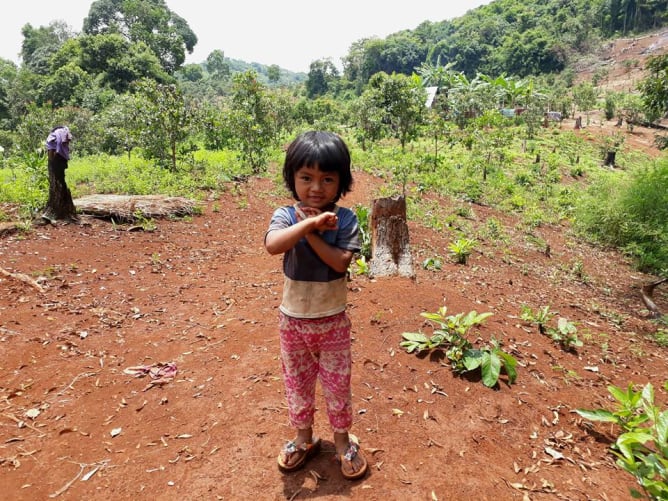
(202, 294)
(621, 62)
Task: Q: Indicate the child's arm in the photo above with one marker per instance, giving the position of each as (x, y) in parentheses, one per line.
(282, 240)
(336, 258)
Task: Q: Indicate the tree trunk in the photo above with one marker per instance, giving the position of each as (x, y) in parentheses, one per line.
(610, 159)
(60, 204)
(578, 123)
(390, 249)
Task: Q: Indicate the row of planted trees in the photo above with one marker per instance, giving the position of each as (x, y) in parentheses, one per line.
(161, 122)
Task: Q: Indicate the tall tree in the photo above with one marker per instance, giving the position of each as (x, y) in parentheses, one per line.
(39, 44)
(274, 73)
(165, 122)
(585, 95)
(402, 99)
(654, 88)
(251, 120)
(322, 76)
(217, 66)
(117, 63)
(368, 119)
(8, 72)
(149, 21)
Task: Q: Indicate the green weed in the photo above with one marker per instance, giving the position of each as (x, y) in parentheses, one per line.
(450, 334)
(541, 317)
(432, 263)
(642, 447)
(362, 267)
(145, 223)
(363, 222)
(461, 249)
(578, 271)
(565, 333)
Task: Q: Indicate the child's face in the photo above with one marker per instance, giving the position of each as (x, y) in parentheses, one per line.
(316, 188)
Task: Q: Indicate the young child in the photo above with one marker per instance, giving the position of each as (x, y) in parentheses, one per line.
(318, 239)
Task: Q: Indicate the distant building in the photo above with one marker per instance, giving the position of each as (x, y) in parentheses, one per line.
(431, 95)
(511, 112)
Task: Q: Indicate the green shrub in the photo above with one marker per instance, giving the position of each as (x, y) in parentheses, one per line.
(642, 447)
(630, 212)
(450, 334)
(461, 249)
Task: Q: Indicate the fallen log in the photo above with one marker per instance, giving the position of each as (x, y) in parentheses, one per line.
(129, 208)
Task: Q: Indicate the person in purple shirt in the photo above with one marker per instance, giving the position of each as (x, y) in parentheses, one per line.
(60, 204)
(58, 141)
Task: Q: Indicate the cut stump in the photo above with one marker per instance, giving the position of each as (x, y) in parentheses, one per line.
(390, 246)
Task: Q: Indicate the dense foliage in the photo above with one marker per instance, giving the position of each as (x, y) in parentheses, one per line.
(123, 89)
(630, 211)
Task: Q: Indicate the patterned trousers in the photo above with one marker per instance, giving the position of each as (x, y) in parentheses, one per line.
(311, 350)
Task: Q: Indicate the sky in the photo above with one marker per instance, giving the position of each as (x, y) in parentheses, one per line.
(289, 33)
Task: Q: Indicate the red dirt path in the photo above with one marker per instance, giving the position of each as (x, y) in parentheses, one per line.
(203, 294)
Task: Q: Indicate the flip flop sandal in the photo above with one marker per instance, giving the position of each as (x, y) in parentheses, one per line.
(353, 452)
(303, 452)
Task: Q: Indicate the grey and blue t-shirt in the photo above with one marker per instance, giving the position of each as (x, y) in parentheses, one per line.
(312, 289)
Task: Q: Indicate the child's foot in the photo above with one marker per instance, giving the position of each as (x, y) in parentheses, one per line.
(296, 452)
(352, 460)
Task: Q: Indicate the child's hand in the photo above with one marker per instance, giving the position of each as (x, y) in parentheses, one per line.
(326, 221)
(322, 221)
(304, 212)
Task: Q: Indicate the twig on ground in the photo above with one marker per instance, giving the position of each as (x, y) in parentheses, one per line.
(70, 386)
(646, 291)
(23, 278)
(23, 423)
(82, 466)
(68, 484)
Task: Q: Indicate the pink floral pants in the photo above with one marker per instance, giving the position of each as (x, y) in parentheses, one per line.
(311, 350)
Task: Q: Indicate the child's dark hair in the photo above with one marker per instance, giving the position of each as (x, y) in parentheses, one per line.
(324, 150)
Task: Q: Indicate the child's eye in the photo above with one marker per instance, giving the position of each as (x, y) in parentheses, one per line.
(329, 180)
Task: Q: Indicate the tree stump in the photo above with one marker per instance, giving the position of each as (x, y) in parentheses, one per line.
(610, 157)
(60, 205)
(578, 123)
(390, 249)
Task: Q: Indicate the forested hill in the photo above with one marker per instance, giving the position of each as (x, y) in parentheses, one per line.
(116, 50)
(515, 37)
